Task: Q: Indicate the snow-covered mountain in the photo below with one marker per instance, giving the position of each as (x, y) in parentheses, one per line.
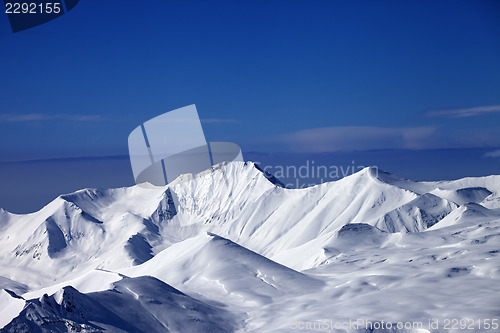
(239, 252)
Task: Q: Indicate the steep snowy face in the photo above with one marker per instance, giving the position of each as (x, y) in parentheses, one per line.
(232, 238)
(239, 203)
(10, 306)
(86, 229)
(211, 264)
(117, 228)
(142, 304)
(252, 211)
(417, 215)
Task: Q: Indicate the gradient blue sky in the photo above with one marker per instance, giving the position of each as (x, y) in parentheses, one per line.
(269, 75)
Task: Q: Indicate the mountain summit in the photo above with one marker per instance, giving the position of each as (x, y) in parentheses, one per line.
(232, 242)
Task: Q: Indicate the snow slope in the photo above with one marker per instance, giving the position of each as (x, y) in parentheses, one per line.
(142, 304)
(246, 254)
(211, 265)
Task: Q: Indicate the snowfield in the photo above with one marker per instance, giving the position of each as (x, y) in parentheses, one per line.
(230, 250)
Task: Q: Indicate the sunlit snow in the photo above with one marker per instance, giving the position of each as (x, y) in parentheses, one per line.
(240, 253)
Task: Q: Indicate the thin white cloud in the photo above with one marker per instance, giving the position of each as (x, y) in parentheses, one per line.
(494, 153)
(328, 139)
(22, 117)
(350, 138)
(14, 117)
(464, 112)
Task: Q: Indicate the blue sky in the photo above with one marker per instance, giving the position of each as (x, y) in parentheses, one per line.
(272, 76)
(269, 75)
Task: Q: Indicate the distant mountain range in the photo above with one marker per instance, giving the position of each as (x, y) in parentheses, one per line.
(27, 185)
(239, 252)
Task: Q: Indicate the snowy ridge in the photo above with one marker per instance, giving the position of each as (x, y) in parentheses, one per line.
(202, 264)
(150, 305)
(242, 246)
